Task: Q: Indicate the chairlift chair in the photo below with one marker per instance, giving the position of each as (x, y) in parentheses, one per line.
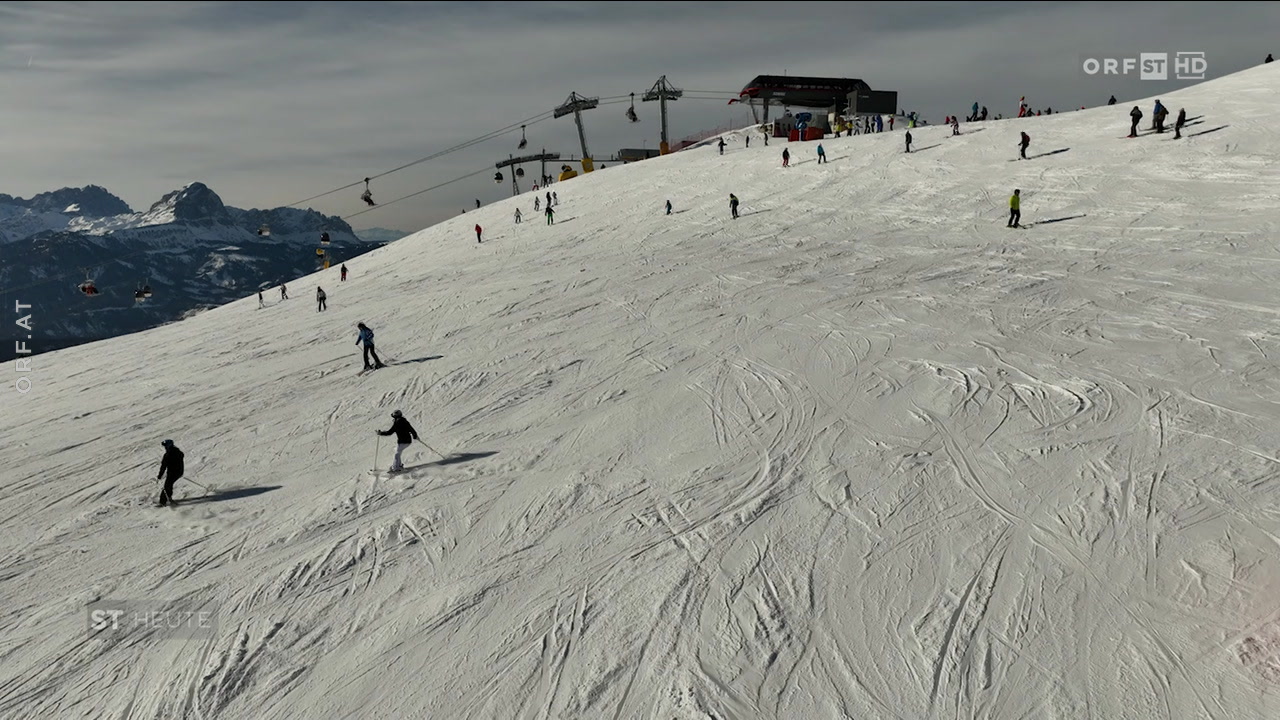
(523, 141)
(265, 230)
(87, 287)
(519, 172)
(631, 111)
(324, 238)
(367, 195)
(497, 178)
(146, 291)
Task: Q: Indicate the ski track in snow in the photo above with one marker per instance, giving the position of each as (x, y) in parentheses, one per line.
(863, 452)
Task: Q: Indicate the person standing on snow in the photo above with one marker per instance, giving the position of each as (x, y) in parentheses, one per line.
(721, 146)
(555, 196)
(974, 115)
(1136, 116)
(548, 198)
(822, 154)
(261, 304)
(733, 205)
(344, 272)
(983, 114)
(478, 231)
(1112, 101)
(955, 126)
(1015, 209)
(405, 435)
(537, 204)
(366, 337)
(908, 141)
(748, 141)
(890, 123)
(477, 203)
(551, 215)
(320, 298)
(668, 207)
(284, 292)
(171, 463)
(880, 123)
(1023, 144)
(1177, 124)
(786, 158)
(1269, 59)
(517, 216)
(1161, 116)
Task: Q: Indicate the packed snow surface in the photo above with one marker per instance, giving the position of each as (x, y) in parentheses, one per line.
(863, 452)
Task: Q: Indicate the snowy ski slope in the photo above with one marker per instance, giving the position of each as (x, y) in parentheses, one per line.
(862, 453)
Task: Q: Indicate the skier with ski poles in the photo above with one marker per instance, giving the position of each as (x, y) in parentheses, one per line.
(171, 463)
(405, 435)
(366, 337)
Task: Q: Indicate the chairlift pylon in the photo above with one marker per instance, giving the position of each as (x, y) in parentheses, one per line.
(631, 111)
(523, 141)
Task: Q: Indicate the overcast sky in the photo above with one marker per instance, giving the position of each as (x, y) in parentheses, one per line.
(269, 103)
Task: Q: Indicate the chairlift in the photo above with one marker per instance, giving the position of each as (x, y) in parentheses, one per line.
(138, 295)
(631, 111)
(264, 230)
(519, 172)
(497, 178)
(87, 287)
(367, 195)
(324, 238)
(146, 291)
(523, 141)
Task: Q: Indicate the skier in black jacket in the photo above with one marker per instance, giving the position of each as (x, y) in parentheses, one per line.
(171, 463)
(405, 435)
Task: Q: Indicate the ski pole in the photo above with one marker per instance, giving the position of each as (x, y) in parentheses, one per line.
(376, 444)
(199, 485)
(432, 449)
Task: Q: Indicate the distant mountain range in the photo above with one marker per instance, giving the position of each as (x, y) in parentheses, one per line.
(194, 251)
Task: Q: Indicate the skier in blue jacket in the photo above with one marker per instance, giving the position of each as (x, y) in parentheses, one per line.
(366, 337)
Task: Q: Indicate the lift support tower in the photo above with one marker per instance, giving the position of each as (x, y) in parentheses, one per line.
(544, 156)
(662, 92)
(576, 104)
